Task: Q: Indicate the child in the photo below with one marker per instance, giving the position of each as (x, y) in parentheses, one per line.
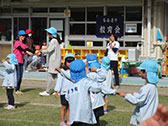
(146, 100)
(36, 60)
(105, 66)
(10, 80)
(98, 75)
(44, 47)
(60, 87)
(78, 95)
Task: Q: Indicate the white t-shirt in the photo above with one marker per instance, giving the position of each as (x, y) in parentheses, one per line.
(111, 54)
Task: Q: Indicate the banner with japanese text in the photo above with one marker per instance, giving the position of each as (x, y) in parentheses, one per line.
(105, 25)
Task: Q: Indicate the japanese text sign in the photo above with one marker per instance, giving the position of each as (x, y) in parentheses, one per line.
(105, 25)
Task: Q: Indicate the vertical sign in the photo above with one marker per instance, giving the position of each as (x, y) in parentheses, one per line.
(105, 25)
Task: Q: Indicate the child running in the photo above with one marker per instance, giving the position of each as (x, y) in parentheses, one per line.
(78, 95)
(146, 100)
(10, 80)
(61, 88)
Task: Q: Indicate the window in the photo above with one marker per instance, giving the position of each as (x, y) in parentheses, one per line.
(138, 32)
(93, 12)
(5, 29)
(57, 10)
(91, 29)
(38, 26)
(77, 43)
(98, 43)
(40, 10)
(131, 44)
(77, 29)
(20, 10)
(77, 14)
(115, 11)
(121, 43)
(5, 10)
(20, 24)
(133, 13)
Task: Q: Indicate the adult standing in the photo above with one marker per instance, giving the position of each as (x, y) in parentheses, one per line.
(54, 58)
(29, 42)
(20, 49)
(112, 53)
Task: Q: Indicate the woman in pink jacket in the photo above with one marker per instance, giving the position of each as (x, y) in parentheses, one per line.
(20, 49)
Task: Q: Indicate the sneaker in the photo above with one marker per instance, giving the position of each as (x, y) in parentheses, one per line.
(44, 93)
(63, 124)
(54, 93)
(18, 93)
(26, 71)
(117, 87)
(105, 111)
(68, 123)
(9, 107)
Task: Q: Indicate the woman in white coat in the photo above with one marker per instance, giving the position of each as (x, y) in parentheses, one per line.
(54, 58)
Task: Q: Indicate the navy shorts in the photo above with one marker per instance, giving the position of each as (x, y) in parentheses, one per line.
(63, 100)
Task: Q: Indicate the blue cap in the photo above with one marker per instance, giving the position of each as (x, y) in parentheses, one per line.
(21, 33)
(105, 63)
(92, 61)
(12, 58)
(77, 70)
(152, 70)
(52, 31)
(69, 55)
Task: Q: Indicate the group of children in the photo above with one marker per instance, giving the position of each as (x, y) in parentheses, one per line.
(83, 89)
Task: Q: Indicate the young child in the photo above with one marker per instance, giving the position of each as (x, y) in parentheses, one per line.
(43, 58)
(36, 60)
(146, 100)
(10, 79)
(96, 74)
(60, 87)
(78, 95)
(105, 66)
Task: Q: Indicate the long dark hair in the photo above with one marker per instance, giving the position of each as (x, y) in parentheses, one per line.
(68, 59)
(58, 39)
(115, 36)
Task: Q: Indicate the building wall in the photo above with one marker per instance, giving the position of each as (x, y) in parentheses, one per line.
(158, 18)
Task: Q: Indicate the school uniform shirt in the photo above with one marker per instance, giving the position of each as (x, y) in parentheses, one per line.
(112, 55)
(97, 98)
(109, 82)
(146, 102)
(54, 56)
(61, 84)
(78, 97)
(19, 54)
(9, 75)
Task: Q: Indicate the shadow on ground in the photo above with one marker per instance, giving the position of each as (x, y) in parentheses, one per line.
(18, 105)
(111, 108)
(103, 123)
(28, 89)
(2, 105)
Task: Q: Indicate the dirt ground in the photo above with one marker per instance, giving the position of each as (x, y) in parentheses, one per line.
(42, 85)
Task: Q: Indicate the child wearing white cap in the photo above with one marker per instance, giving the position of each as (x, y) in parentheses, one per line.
(146, 100)
(10, 80)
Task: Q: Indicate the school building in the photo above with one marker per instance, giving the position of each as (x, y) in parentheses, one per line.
(142, 24)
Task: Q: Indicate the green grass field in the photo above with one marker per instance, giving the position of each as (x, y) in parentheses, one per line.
(35, 110)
